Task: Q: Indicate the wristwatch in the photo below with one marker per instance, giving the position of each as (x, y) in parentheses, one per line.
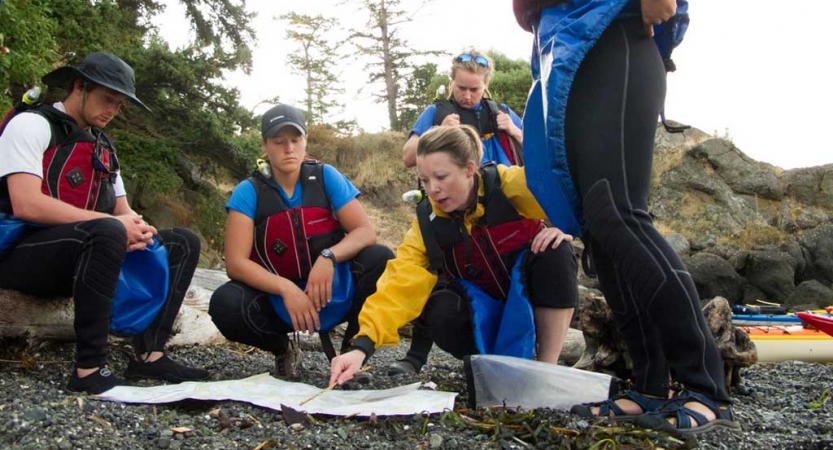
(327, 253)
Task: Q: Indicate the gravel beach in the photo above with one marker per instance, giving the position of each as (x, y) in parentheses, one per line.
(781, 406)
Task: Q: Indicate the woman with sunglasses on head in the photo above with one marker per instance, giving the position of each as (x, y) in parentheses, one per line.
(598, 89)
(469, 104)
(481, 225)
(300, 249)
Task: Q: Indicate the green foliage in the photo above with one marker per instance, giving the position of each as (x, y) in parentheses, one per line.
(211, 218)
(150, 160)
(223, 27)
(27, 46)
(86, 27)
(247, 149)
(420, 91)
(510, 82)
(197, 114)
(823, 398)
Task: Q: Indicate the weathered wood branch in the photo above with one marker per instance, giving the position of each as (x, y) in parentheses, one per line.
(51, 319)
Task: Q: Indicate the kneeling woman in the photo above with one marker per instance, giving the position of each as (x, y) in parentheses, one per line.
(481, 222)
(299, 248)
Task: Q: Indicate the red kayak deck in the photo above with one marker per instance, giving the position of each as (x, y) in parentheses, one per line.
(823, 323)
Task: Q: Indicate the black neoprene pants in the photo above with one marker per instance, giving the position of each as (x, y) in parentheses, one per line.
(611, 121)
(244, 314)
(447, 316)
(83, 260)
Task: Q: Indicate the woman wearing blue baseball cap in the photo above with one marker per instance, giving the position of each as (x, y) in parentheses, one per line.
(300, 249)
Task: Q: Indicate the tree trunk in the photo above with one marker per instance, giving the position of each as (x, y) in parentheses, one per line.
(391, 88)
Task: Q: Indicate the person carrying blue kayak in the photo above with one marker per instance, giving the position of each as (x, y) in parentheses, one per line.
(509, 285)
(67, 228)
(598, 89)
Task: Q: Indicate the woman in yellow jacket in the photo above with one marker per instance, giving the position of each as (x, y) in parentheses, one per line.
(482, 232)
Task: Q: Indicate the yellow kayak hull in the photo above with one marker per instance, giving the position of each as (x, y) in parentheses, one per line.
(787, 343)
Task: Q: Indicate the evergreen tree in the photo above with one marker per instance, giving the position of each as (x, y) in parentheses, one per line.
(420, 91)
(389, 53)
(314, 62)
(196, 121)
(510, 81)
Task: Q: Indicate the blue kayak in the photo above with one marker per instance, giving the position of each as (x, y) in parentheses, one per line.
(756, 319)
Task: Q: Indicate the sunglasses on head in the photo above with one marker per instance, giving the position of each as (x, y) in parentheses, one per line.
(479, 60)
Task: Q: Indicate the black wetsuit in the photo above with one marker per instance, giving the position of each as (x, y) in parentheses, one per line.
(611, 120)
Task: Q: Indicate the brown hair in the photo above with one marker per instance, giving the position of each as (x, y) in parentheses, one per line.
(462, 143)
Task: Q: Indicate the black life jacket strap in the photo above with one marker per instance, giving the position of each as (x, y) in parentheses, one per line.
(495, 212)
(269, 200)
(429, 238)
(327, 345)
(444, 108)
(672, 128)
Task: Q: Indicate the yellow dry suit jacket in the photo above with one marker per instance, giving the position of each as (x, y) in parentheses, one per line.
(403, 289)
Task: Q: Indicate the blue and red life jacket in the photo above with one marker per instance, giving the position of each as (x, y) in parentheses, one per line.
(288, 240)
(79, 166)
(486, 256)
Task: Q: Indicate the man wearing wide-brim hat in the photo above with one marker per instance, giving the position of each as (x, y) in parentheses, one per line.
(67, 228)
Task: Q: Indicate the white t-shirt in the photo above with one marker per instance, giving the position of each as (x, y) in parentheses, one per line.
(23, 143)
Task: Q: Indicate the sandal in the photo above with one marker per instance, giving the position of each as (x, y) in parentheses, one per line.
(675, 408)
(648, 404)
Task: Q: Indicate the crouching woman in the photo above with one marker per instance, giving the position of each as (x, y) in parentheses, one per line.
(479, 241)
(300, 250)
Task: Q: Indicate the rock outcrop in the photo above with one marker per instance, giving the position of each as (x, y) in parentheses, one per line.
(772, 227)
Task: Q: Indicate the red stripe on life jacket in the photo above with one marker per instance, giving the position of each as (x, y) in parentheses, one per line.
(288, 241)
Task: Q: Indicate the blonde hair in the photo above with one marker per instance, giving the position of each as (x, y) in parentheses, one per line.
(462, 143)
(472, 66)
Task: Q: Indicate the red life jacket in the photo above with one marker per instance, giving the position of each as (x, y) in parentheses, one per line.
(79, 166)
(288, 240)
(487, 255)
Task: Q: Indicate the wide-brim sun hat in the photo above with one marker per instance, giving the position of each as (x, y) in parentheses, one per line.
(101, 68)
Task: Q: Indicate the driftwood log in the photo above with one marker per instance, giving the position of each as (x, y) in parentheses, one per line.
(50, 319)
(605, 349)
